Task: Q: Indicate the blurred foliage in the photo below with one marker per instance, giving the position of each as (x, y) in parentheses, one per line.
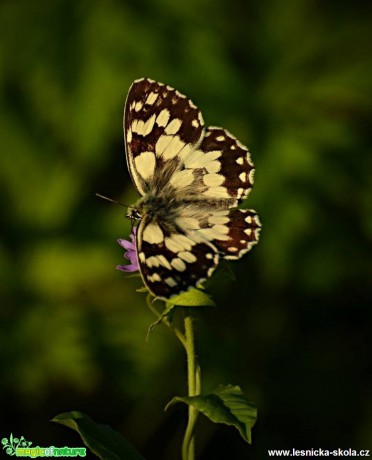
(290, 79)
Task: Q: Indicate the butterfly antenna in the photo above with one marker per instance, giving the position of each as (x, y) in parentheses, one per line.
(111, 200)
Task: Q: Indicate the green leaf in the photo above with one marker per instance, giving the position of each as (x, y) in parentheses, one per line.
(101, 439)
(192, 298)
(142, 289)
(226, 404)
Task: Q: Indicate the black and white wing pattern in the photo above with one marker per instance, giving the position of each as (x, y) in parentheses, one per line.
(189, 178)
(159, 124)
(172, 262)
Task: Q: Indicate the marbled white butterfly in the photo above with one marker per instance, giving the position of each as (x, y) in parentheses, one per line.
(189, 177)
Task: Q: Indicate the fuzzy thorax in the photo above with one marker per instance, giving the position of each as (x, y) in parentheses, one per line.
(157, 207)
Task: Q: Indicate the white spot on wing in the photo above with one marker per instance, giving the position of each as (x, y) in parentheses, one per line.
(216, 219)
(257, 220)
(153, 234)
(147, 128)
(129, 135)
(178, 264)
(134, 125)
(240, 160)
(145, 164)
(151, 98)
(152, 262)
(199, 159)
(173, 126)
(172, 245)
(219, 228)
(162, 144)
(213, 167)
(249, 160)
(143, 128)
(181, 179)
(188, 223)
(217, 192)
(243, 176)
(178, 243)
(186, 150)
(213, 180)
(171, 282)
(163, 261)
(154, 277)
(163, 118)
(187, 256)
(183, 241)
(211, 234)
(173, 148)
(241, 192)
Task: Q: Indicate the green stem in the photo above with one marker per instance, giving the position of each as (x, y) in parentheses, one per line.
(193, 373)
(193, 377)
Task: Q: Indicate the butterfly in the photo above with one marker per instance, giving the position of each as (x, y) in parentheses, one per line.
(190, 178)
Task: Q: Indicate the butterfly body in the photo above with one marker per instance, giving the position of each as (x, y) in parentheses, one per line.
(190, 178)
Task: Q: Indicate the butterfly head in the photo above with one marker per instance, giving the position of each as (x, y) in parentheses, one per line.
(133, 214)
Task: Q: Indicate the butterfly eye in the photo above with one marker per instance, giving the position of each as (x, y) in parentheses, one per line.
(133, 214)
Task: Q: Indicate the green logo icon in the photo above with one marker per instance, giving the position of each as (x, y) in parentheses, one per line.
(10, 445)
(21, 448)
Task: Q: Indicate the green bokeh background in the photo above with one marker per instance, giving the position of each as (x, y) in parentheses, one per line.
(292, 80)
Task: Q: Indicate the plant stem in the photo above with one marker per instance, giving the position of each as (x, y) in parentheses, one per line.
(193, 374)
(193, 377)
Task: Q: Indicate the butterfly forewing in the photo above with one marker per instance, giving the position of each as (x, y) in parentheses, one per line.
(160, 124)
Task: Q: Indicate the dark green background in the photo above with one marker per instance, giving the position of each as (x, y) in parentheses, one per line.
(292, 80)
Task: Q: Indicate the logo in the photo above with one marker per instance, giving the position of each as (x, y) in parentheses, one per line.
(19, 447)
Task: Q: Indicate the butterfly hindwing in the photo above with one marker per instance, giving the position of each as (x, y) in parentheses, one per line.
(233, 232)
(231, 176)
(243, 231)
(220, 168)
(172, 262)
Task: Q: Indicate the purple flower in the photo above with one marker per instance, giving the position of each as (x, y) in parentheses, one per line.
(131, 253)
